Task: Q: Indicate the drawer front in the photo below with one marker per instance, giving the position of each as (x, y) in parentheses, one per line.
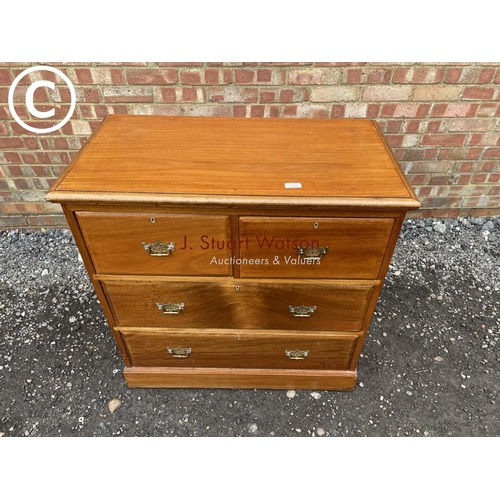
(240, 350)
(263, 305)
(122, 243)
(277, 247)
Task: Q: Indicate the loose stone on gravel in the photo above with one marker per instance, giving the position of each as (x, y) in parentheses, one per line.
(113, 405)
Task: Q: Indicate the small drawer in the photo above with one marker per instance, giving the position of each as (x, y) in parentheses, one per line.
(157, 244)
(241, 304)
(282, 350)
(308, 247)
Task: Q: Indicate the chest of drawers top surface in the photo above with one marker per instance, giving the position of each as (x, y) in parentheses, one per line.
(335, 163)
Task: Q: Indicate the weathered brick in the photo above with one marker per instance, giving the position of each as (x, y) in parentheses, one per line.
(373, 110)
(387, 110)
(167, 94)
(24, 208)
(474, 153)
(314, 76)
(232, 94)
(387, 93)
(487, 109)
(421, 167)
(218, 77)
(453, 75)
(81, 127)
(477, 75)
(244, 76)
(479, 178)
(313, 111)
(478, 93)
(352, 75)
(405, 110)
(259, 76)
(483, 139)
(264, 75)
(417, 180)
(5, 76)
(193, 94)
(11, 143)
(10, 221)
(274, 111)
(493, 191)
(437, 126)
(410, 140)
(152, 76)
(55, 221)
(267, 96)
(107, 76)
(82, 75)
(378, 75)
(338, 111)
(439, 202)
(294, 95)
(437, 92)
(334, 93)
(482, 201)
(491, 153)
(443, 139)
(156, 109)
(459, 153)
(454, 109)
(290, 111)
(356, 110)
(471, 124)
(239, 111)
(427, 75)
(401, 75)
(207, 110)
(128, 94)
(395, 141)
(191, 77)
(257, 111)
(393, 126)
(414, 126)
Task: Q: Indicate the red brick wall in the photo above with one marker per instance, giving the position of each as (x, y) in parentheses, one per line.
(441, 119)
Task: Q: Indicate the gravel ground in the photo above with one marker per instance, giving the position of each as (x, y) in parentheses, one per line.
(430, 365)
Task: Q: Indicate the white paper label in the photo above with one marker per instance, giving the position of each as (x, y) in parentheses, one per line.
(293, 185)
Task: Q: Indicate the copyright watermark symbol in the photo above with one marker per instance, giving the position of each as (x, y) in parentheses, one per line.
(29, 99)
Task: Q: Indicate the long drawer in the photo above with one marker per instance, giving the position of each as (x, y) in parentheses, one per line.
(238, 304)
(309, 247)
(149, 244)
(323, 351)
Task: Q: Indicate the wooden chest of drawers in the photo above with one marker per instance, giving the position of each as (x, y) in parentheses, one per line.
(232, 252)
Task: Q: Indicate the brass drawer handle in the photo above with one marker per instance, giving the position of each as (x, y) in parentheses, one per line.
(302, 311)
(311, 254)
(296, 354)
(159, 249)
(179, 352)
(170, 307)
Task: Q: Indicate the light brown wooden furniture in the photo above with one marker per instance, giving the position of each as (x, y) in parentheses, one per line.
(232, 252)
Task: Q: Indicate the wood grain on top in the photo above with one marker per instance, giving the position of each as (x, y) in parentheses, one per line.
(235, 157)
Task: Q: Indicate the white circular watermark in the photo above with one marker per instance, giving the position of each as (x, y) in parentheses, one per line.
(29, 99)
